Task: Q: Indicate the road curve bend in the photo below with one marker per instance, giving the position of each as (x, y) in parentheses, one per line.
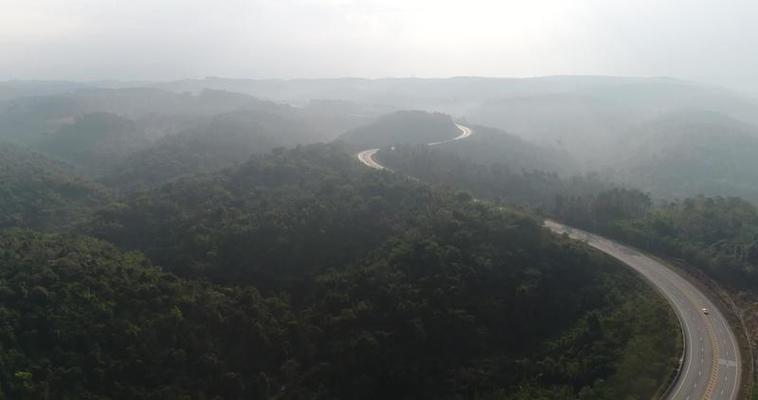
(367, 156)
(465, 132)
(710, 367)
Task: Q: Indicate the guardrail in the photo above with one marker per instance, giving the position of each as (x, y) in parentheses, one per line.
(662, 392)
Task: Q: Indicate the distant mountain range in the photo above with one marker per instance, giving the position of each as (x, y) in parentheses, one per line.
(668, 136)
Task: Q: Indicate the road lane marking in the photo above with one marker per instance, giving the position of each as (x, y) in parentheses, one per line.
(687, 308)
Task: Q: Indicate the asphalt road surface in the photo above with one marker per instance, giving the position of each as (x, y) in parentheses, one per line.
(367, 156)
(711, 364)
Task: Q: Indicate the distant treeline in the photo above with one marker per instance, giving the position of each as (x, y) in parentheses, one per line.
(717, 234)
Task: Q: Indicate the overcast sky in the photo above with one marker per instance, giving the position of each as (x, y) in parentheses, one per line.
(709, 40)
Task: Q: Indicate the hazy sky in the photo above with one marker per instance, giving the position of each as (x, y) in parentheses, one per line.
(709, 40)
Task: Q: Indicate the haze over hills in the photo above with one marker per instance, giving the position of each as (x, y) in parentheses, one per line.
(378, 199)
(329, 268)
(691, 152)
(137, 136)
(583, 114)
(402, 127)
(27, 118)
(588, 123)
(224, 140)
(40, 193)
(229, 192)
(494, 146)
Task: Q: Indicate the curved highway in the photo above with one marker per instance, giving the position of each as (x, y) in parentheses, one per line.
(367, 156)
(710, 366)
(465, 132)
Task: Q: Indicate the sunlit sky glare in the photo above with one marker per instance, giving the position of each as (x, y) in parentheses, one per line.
(711, 41)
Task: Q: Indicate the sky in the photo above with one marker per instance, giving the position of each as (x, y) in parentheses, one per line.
(713, 41)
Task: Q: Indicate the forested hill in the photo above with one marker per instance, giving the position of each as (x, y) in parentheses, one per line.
(27, 120)
(136, 137)
(716, 234)
(402, 127)
(232, 258)
(227, 139)
(95, 142)
(389, 288)
(690, 153)
(297, 274)
(467, 167)
(37, 192)
(488, 146)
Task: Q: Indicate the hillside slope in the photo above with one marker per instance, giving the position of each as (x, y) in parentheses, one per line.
(226, 140)
(402, 290)
(690, 153)
(402, 127)
(37, 192)
(493, 146)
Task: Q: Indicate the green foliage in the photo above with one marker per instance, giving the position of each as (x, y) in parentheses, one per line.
(718, 234)
(492, 146)
(402, 127)
(95, 141)
(224, 141)
(83, 320)
(524, 178)
(400, 290)
(691, 153)
(135, 137)
(277, 215)
(593, 209)
(36, 192)
(298, 274)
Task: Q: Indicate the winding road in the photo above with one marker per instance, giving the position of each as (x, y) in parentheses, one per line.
(710, 366)
(367, 156)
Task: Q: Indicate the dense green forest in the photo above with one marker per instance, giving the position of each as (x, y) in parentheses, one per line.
(717, 234)
(141, 137)
(507, 180)
(493, 146)
(95, 142)
(402, 127)
(225, 140)
(40, 193)
(299, 274)
(689, 153)
(164, 245)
